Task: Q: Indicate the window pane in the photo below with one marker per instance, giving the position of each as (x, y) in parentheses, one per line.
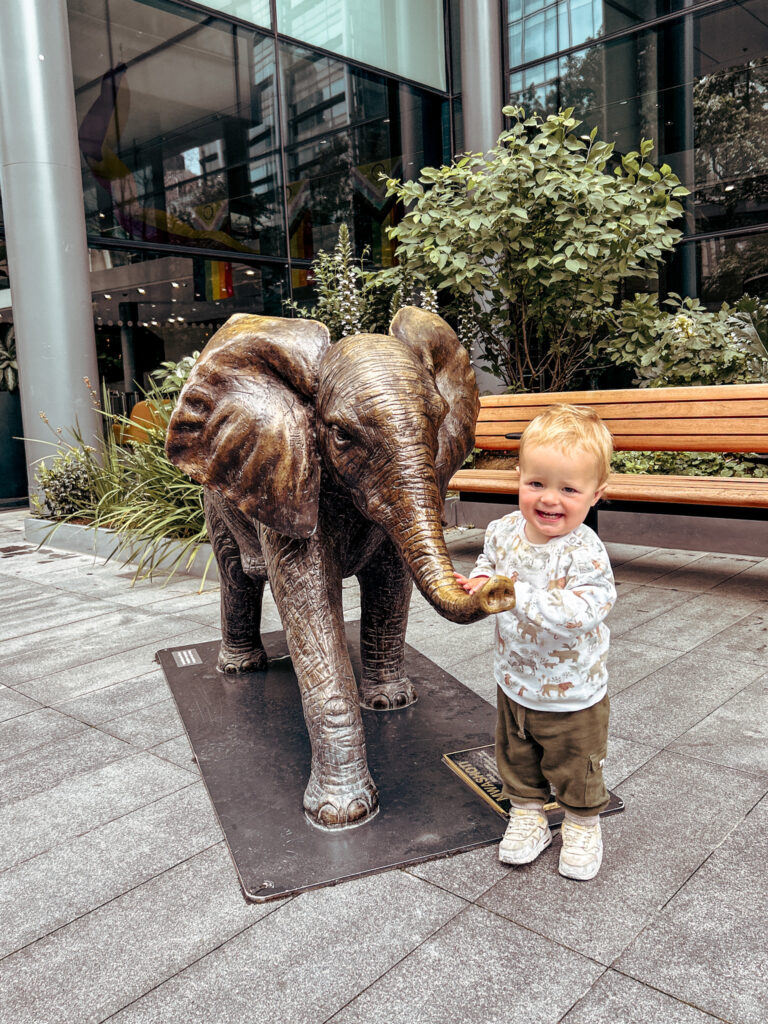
(179, 139)
(171, 305)
(398, 36)
(255, 11)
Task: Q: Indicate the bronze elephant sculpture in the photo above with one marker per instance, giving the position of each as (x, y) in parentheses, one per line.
(321, 462)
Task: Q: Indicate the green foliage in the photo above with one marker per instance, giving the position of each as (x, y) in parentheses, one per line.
(66, 484)
(171, 377)
(690, 464)
(154, 509)
(530, 244)
(687, 345)
(348, 302)
(9, 368)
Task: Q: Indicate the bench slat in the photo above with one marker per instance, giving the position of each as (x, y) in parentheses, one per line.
(663, 443)
(726, 408)
(692, 490)
(621, 396)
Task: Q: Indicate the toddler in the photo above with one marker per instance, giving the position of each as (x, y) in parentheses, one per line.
(549, 663)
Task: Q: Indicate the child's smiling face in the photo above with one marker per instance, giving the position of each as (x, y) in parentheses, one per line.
(557, 489)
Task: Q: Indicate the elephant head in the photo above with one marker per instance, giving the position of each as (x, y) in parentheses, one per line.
(271, 407)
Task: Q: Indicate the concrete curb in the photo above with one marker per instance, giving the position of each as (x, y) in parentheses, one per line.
(104, 544)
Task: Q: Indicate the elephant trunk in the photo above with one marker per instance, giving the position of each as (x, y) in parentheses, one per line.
(421, 542)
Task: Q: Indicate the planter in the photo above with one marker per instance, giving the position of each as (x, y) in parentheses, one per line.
(13, 463)
(101, 543)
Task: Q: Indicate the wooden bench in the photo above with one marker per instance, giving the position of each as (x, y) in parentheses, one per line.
(721, 418)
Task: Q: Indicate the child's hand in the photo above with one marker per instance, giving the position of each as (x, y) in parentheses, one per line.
(470, 585)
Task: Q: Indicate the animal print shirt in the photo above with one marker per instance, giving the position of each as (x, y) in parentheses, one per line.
(551, 647)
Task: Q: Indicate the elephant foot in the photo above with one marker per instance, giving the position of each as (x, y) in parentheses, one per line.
(335, 807)
(378, 696)
(340, 792)
(232, 660)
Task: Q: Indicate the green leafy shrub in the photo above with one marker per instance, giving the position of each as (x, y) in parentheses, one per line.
(690, 464)
(67, 485)
(530, 245)
(686, 345)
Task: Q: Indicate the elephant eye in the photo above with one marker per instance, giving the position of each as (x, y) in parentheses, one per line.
(340, 436)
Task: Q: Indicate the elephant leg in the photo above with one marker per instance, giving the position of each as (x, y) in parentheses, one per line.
(340, 792)
(241, 648)
(385, 589)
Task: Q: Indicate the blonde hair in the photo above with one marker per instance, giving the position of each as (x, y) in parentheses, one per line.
(572, 426)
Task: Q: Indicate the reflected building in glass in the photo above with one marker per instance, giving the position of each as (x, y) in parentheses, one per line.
(690, 74)
(223, 142)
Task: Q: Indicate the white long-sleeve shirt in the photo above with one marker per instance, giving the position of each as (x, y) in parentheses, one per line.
(551, 647)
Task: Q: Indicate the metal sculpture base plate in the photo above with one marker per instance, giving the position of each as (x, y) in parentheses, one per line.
(250, 741)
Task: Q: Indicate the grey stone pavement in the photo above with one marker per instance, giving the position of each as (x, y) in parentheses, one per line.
(119, 902)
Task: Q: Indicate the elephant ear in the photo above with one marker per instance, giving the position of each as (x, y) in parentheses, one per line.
(244, 424)
(435, 343)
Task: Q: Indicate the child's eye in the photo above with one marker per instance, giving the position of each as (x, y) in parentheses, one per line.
(534, 483)
(570, 490)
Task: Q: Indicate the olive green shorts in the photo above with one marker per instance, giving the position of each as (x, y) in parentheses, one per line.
(537, 751)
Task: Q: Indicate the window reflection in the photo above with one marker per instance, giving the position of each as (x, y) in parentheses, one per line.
(179, 140)
(697, 86)
(168, 305)
(345, 128)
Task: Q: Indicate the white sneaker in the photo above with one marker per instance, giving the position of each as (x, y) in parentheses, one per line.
(526, 836)
(582, 852)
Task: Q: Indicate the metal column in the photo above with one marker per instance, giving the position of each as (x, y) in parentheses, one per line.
(481, 73)
(45, 223)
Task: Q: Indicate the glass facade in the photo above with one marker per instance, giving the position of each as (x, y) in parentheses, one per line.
(401, 37)
(695, 83)
(219, 157)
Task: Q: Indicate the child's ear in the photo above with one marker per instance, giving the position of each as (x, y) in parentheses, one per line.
(598, 494)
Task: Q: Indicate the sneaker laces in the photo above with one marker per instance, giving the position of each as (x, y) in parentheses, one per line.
(522, 822)
(580, 838)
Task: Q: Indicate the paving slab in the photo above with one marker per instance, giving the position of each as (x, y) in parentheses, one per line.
(77, 643)
(474, 971)
(138, 659)
(640, 604)
(178, 751)
(687, 689)
(36, 728)
(672, 803)
(708, 947)
(653, 565)
(62, 884)
(31, 826)
(704, 617)
(735, 734)
(616, 999)
(467, 875)
(306, 961)
(143, 938)
(13, 703)
(746, 640)
(148, 726)
(40, 609)
(630, 660)
(621, 553)
(123, 698)
(753, 582)
(706, 572)
(43, 767)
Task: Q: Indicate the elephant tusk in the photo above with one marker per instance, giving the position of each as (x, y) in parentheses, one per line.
(497, 595)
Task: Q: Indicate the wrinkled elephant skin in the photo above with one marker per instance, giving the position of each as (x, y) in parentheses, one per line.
(320, 462)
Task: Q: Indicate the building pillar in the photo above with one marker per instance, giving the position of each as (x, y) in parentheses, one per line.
(45, 224)
(482, 74)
